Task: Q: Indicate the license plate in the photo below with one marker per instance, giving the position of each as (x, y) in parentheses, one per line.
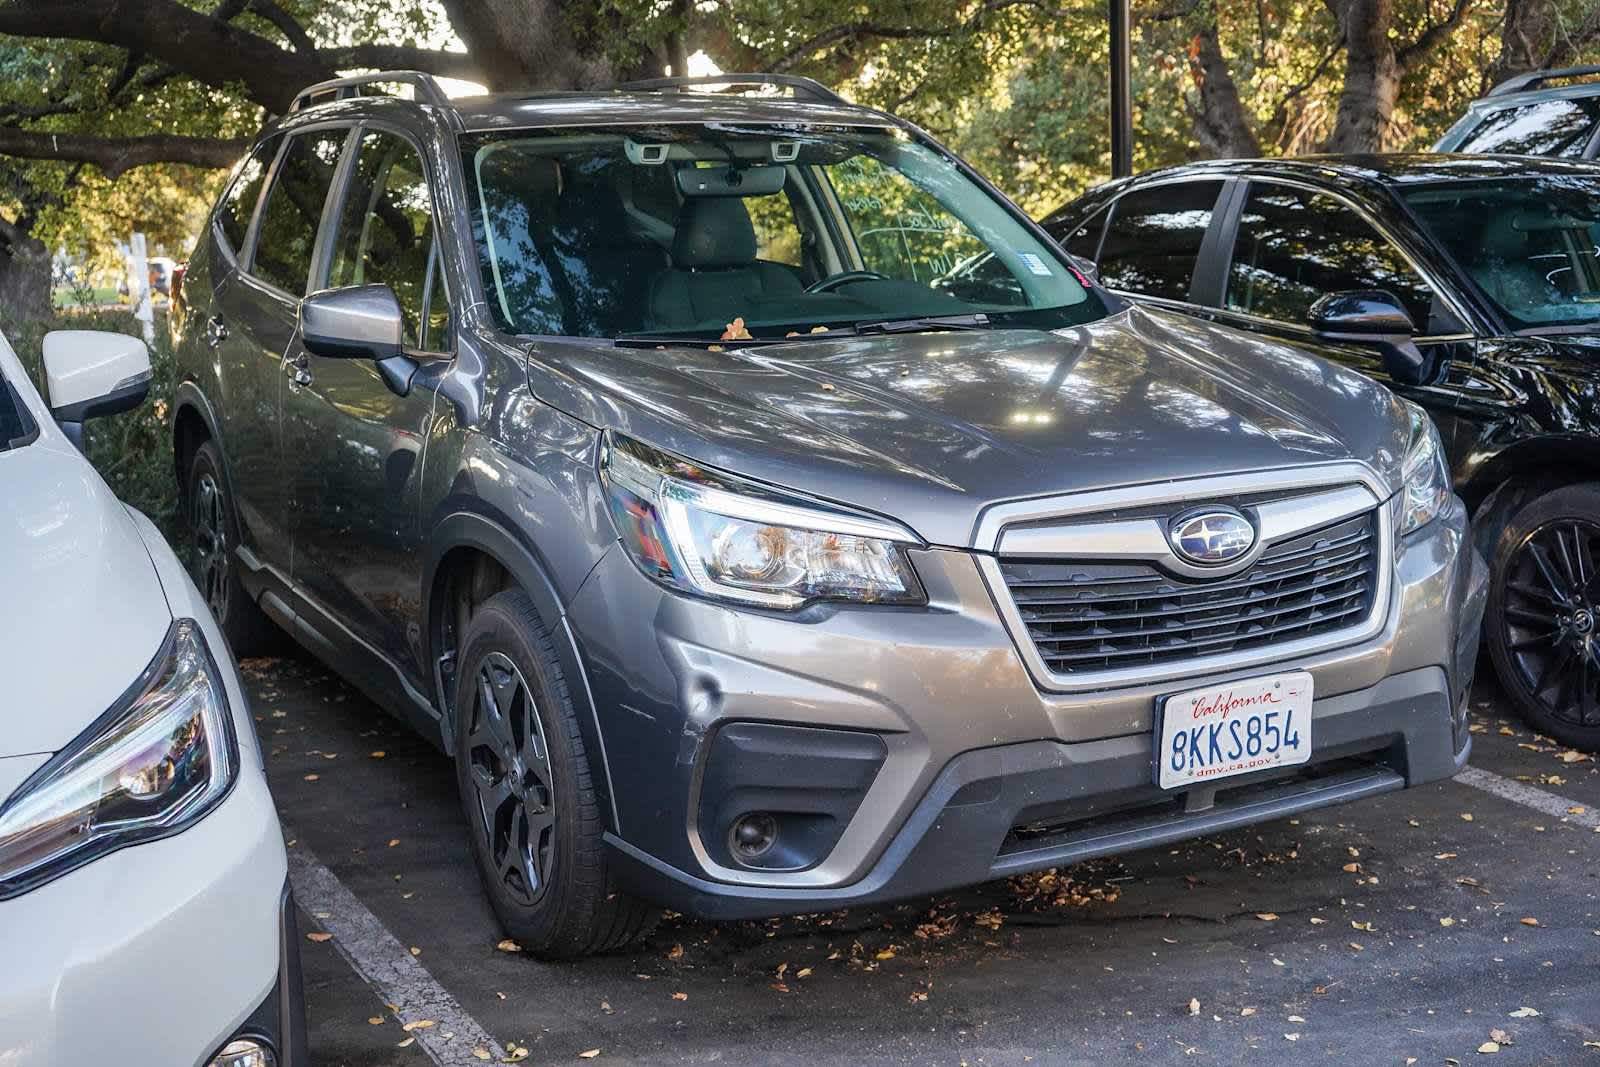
(1234, 728)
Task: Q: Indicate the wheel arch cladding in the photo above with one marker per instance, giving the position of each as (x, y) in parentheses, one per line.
(459, 540)
(1522, 471)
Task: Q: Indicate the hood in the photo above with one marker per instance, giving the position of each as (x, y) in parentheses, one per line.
(932, 428)
(83, 613)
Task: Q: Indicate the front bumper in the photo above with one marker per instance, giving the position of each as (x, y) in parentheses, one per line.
(164, 951)
(982, 773)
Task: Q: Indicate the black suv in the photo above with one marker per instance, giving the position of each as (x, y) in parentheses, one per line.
(768, 516)
(1470, 284)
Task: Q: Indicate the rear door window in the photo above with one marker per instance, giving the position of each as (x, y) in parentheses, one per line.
(1295, 245)
(287, 235)
(1154, 238)
(239, 202)
(1542, 128)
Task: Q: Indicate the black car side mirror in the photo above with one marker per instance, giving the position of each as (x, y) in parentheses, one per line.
(359, 322)
(1373, 317)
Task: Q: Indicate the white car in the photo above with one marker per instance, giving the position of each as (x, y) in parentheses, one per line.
(144, 903)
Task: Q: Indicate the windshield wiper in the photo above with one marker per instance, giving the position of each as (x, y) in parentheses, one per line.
(925, 323)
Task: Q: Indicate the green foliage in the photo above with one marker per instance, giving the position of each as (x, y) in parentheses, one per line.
(133, 451)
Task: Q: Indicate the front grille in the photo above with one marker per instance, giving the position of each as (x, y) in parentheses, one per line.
(1085, 617)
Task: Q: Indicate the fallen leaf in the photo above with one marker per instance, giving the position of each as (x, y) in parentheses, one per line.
(675, 953)
(319, 937)
(313, 777)
(1316, 921)
(828, 387)
(376, 1020)
(804, 972)
(1525, 1013)
(1501, 1036)
(1247, 1011)
(379, 754)
(1194, 1005)
(886, 954)
(1466, 816)
(406, 1043)
(1444, 855)
(680, 996)
(1488, 1047)
(736, 331)
(415, 951)
(588, 1054)
(1267, 916)
(1447, 921)
(419, 1024)
(1530, 921)
(393, 841)
(1297, 1018)
(1350, 868)
(1291, 1037)
(482, 1054)
(509, 945)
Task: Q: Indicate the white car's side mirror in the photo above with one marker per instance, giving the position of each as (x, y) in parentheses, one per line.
(91, 373)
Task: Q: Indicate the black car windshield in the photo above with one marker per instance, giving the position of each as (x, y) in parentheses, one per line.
(676, 230)
(1531, 244)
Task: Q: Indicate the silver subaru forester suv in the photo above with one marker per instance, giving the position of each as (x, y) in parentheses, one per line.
(769, 517)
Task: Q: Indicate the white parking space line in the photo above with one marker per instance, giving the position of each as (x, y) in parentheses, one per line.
(386, 965)
(1529, 797)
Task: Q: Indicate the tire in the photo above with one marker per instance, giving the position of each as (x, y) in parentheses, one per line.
(1543, 619)
(213, 534)
(537, 843)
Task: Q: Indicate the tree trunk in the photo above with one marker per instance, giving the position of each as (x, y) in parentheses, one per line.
(24, 276)
(1220, 122)
(1371, 78)
(526, 44)
(1524, 39)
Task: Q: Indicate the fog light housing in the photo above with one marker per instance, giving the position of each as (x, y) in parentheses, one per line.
(753, 835)
(244, 1052)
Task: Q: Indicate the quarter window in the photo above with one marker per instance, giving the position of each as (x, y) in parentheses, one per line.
(239, 202)
(385, 234)
(1084, 241)
(1154, 238)
(288, 232)
(1294, 246)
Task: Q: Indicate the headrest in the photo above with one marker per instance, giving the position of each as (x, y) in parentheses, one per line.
(714, 232)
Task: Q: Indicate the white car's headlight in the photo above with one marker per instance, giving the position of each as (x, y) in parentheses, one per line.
(1424, 472)
(707, 532)
(157, 761)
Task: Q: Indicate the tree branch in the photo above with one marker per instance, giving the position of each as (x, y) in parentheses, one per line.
(1432, 37)
(210, 50)
(403, 57)
(114, 155)
(292, 31)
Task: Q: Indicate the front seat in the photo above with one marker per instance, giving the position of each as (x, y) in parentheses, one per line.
(715, 274)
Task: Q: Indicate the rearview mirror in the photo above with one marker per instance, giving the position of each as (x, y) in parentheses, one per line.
(356, 322)
(93, 373)
(1374, 317)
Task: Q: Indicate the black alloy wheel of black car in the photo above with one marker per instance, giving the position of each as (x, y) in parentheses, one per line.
(213, 534)
(1543, 624)
(531, 805)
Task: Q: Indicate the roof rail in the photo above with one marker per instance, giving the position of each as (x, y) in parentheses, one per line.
(804, 88)
(423, 86)
(1536, 78)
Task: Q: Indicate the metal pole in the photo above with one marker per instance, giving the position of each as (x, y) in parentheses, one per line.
(1121, 90)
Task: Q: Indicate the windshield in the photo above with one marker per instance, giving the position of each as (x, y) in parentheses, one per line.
(676, 230)
(1531, 244)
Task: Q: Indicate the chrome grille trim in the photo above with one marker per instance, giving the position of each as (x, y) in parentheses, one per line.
(1333, 493)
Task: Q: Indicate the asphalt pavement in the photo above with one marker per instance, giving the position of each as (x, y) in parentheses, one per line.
(1457, 922)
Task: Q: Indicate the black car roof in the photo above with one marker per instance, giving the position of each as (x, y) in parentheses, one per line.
(1393, 168)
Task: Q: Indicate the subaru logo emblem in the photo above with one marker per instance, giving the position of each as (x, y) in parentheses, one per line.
(1211, 536)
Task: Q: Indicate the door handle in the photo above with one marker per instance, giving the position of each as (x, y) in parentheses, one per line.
(216, 331)
(298, 369)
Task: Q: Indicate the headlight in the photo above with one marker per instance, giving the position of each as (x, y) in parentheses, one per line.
(727, 538)
(1426, 477)
(150, 766)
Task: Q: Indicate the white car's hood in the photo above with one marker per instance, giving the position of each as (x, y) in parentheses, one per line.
(81, 610)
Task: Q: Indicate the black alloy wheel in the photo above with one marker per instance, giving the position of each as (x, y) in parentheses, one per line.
(509, 764)
(1543, 620)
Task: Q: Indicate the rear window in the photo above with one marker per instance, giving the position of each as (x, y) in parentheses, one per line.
(1154, 238)
(289, 219)
(1543, 128)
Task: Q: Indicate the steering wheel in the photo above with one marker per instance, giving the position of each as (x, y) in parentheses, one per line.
(845, 277)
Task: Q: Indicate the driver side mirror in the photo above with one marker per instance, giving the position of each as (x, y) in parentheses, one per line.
(93, 373)
(359, 322)
(1373, 317)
